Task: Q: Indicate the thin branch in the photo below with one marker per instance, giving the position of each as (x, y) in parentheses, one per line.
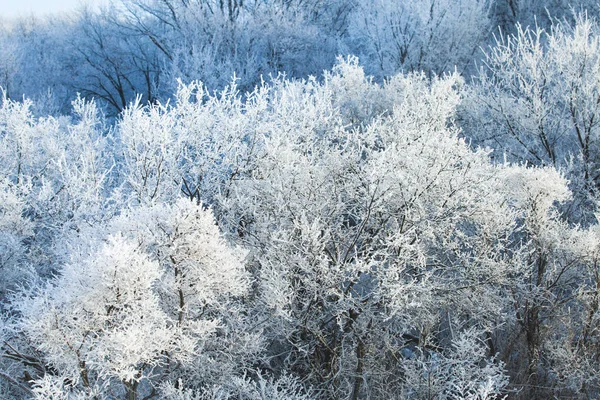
(16, 383)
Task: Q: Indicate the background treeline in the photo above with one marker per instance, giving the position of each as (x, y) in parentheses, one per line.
(201, 200)
(141, 47)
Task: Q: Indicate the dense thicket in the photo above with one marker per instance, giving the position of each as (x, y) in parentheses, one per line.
(198, 200)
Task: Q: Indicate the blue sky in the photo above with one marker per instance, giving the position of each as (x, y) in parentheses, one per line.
(13, 8)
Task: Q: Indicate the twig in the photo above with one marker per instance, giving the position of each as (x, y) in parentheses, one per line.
(16, 383)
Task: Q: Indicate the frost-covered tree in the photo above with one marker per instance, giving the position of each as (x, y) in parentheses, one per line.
(387, 236)
(202, 289)
(106, 325)
(507, 13)
(112, 63)
(430, 35)
(212, 41)
(536, 101)
(339, 210)
(58, 167)
(554, 260)
(195, 147)
(154, 302)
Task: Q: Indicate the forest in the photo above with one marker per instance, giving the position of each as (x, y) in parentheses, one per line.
(301, 200)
